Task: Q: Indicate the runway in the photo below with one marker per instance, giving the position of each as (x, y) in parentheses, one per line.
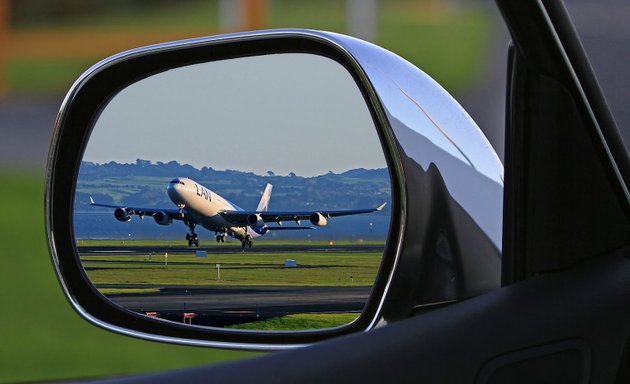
(227, 305)
(221, 306)
(225, 249)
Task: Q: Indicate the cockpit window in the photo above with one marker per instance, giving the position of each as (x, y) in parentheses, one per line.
(177, 181)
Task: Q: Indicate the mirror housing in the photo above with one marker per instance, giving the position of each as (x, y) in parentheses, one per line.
(444, 242)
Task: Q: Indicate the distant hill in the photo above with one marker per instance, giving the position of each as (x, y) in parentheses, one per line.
(144, 183)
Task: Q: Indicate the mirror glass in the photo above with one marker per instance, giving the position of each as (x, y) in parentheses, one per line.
(249, 193)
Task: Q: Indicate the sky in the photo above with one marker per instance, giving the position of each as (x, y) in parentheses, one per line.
(289, 112)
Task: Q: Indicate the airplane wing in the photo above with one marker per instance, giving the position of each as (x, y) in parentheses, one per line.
(287, 228)
(174, 214)
(241, 218)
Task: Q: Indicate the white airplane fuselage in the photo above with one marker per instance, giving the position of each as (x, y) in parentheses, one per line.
(204, 207)
(197, 205)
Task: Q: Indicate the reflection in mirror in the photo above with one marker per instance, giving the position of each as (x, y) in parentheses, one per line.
(263, 188)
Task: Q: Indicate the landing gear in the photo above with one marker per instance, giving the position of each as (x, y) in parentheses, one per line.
(192, 237)
(221, 237)
(246, 241)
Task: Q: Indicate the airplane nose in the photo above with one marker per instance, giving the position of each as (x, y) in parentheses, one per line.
(173, 192)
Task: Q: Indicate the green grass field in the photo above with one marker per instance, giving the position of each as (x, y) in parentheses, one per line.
(42, 337)
(300, 322)
(265, 269)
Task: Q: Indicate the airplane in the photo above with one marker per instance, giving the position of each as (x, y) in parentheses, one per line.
(197, 205)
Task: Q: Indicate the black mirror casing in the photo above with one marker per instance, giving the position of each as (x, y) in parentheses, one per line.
(444, 242)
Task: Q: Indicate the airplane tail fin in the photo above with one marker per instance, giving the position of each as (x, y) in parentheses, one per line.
(264, 199)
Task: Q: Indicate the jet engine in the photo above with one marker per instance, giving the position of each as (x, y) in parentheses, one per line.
(162, 218)
(121, 214)
(255, 221)
(318, 219)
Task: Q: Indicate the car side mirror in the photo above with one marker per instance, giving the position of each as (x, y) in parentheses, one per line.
(427, 200)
